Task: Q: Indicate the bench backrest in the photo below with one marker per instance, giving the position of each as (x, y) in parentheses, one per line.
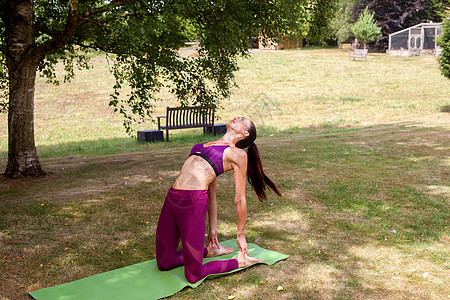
(361, 51)
(189, 117)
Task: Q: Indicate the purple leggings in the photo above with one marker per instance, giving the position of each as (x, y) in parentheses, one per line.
(184, 216)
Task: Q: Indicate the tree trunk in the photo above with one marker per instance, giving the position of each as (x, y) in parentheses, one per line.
(22, 67)
(22, 155)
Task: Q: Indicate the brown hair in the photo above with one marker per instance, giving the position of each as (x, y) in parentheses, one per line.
(255, 173)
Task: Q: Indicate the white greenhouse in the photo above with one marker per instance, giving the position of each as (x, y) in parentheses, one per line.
(415, 40)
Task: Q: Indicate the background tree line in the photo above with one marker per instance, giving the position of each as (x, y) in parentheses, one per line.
(390, 16)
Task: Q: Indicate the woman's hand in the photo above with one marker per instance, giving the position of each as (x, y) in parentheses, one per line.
(242, 243)
(212, 239)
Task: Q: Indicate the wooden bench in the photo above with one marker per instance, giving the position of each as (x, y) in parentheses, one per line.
(188, 117)
(358, 53)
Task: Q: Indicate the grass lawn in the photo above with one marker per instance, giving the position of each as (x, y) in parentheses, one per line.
(360, 151)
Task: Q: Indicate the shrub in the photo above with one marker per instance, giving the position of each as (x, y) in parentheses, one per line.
(444, 42)
(365, 29)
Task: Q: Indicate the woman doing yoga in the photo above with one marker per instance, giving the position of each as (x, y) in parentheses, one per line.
(194, 193)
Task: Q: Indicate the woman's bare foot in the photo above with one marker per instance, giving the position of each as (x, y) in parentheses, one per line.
(214, 251)
(244, 260)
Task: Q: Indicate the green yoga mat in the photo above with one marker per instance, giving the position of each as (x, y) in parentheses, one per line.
(143, 280)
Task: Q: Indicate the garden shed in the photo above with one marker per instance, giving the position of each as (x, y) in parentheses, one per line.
(419, 39)
(284, 42)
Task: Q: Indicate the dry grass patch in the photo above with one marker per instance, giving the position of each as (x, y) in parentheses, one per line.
(403, 270)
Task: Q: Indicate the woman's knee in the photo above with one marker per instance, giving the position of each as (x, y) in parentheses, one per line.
(163, 266)
(193, 271)
(191, 278)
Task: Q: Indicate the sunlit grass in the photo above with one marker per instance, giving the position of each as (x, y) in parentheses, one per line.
(313, 89)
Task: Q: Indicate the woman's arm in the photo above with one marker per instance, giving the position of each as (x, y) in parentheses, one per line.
(212, 214)
(239, 165)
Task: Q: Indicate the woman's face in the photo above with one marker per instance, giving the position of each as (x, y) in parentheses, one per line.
(239, 125)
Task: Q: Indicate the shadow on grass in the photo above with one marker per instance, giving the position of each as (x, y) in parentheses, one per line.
(115, 145)
(131, 144)
(347, 193)
(445, 108)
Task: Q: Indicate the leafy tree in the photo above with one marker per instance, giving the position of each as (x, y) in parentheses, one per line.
(444, 42)
(438, 10)
(341, 23)
(313, 21)
(395, 15)
(366, 29)
(319, 18)
(343, 33)
(141, 38)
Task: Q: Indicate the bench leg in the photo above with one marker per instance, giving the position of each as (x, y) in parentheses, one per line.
(208, 130)
(167, 135)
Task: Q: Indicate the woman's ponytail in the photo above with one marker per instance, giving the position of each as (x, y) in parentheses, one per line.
(255, 173)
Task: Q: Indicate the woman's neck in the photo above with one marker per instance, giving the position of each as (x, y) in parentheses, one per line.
(229, 139)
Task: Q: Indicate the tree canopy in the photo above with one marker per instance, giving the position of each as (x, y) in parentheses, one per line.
(144, 37)
(365, 29)
(342, 20)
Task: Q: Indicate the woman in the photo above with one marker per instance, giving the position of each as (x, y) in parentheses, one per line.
(194, 192)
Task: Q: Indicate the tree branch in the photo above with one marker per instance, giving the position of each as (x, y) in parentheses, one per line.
(85, 20)
(106, 26)
(81, 45)
(43, 29)
(90, 46)
(101, 24)
(2, 9)
(99, 10)
(62, 38)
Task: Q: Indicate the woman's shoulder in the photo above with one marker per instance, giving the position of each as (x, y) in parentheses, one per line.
(235, 153)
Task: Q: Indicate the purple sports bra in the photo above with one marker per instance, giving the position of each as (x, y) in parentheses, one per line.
(212, 154)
